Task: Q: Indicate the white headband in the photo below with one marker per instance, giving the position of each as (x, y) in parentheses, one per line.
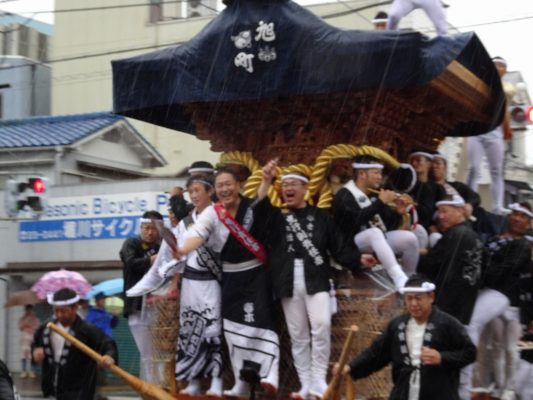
(379, 20)
(205, 169)
(499, 60)
(68, 302)
(439, 155)
(295, 176)
(421, 153)
(146, 221)
(356, 165)
(426, 287)
(200, 181)
(456, 201)
(519, 208)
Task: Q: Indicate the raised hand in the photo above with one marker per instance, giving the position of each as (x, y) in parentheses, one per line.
(387, 196)
(269, 170)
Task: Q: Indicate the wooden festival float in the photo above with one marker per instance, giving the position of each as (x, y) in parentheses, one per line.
(270, 79)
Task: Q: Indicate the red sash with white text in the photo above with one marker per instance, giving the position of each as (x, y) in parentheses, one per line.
(242, 235)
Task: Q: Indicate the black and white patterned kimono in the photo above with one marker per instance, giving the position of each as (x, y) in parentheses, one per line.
(73, 375)
(200, 336)
(437, 382)
(247, 305)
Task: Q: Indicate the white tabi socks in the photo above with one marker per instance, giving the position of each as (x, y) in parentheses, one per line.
(193, 388)
(240, 389)
(216, 387)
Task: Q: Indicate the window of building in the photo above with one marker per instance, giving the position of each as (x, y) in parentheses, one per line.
(171, 10)
(24, 41)
(42, 47)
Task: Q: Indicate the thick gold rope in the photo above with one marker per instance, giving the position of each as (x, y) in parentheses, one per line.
(318, 185)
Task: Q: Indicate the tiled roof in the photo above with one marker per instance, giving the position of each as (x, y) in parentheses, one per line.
(52, 130)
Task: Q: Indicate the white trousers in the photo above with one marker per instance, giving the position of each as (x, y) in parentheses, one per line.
(422, 236)
(524, 379)
(386, 245)
(490, 304)
(506, 331)
(310, 350)
(433, 9)
(140, 330)
(492, 145)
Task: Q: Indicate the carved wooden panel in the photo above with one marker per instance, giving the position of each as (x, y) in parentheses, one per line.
(297, 128)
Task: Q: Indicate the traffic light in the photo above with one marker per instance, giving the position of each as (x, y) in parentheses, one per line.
(30, 194)
(521, 116)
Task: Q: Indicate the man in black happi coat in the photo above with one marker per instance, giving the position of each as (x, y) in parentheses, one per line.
(69, 374)
(427, 348)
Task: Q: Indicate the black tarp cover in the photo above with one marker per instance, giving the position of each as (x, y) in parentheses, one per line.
(275, 48)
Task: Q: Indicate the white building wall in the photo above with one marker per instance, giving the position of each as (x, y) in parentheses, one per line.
(82, 81)
(28, 93)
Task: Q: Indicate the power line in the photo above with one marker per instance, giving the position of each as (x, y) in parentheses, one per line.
(500, 21)
(119, 51)
(115, 7)
(152, 47)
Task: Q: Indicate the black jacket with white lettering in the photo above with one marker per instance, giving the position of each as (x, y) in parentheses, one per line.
(437, 382)
(326, 238)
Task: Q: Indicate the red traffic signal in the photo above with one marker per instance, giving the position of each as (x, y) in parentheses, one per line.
(37, 185)
(529, 114)
(521, 116)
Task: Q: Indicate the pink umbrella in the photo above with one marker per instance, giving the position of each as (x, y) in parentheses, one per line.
(52, 281)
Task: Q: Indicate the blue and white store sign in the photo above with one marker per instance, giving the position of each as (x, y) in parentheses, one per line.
(114, 216)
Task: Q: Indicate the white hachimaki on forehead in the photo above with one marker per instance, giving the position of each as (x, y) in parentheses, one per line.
(421, 153)
(440, 155)
(499, 60)
(202, 181)
(519, 208)
(295, 176)
(66, 302)
(426, 287)
(357, 165)
(200, 169)
(456, 201)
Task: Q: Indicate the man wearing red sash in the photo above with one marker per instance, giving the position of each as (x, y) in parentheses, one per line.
(237, 227)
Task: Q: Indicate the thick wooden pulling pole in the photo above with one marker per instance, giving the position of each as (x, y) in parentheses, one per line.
(148, 391)
(332, 387)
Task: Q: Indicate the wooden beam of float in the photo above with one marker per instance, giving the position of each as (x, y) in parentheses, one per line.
(469, 93)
